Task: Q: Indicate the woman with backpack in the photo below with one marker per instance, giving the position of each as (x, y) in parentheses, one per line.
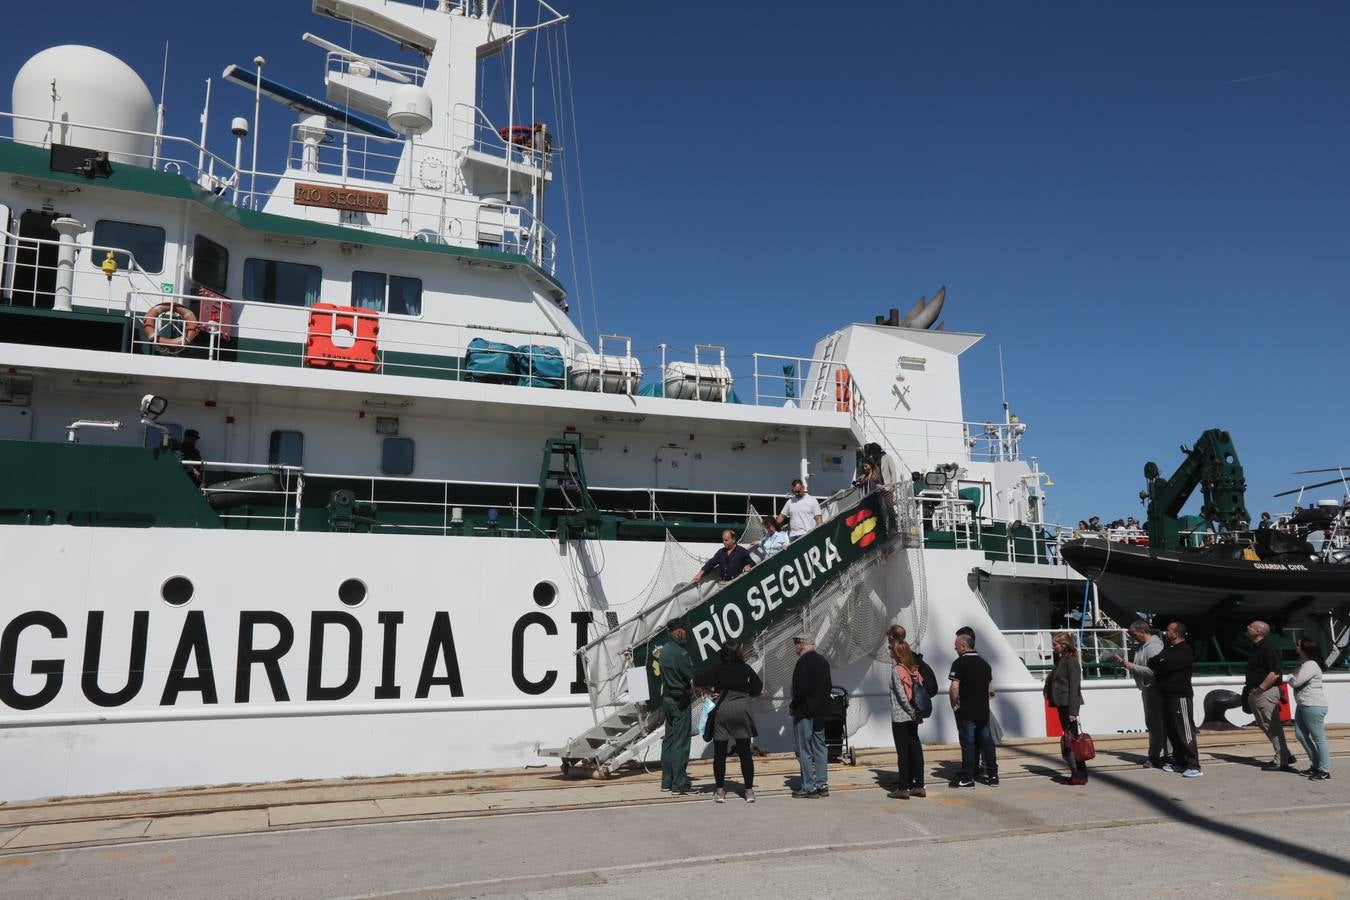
(909, 698)
(1064, 690)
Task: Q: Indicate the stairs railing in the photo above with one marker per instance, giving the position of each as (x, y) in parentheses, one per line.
(780, 588)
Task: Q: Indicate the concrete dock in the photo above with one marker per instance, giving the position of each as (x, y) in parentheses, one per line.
(1131, 830)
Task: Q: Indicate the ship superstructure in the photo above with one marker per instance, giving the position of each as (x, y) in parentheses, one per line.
(310, 473)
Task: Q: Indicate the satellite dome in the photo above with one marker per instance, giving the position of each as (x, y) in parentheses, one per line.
(92, 88)
(409, 109)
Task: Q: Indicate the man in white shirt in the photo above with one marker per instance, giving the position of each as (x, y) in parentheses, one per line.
(801, 512)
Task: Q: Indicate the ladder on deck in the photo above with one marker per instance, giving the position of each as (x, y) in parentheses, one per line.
(616, 740)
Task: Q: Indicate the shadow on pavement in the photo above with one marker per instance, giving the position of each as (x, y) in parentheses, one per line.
(1165, 805)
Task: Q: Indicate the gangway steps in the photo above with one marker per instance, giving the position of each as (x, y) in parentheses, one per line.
(828, 560)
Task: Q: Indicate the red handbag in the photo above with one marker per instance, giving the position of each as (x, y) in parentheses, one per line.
(1080, 746)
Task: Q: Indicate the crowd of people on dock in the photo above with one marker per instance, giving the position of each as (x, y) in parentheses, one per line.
(1162, 667)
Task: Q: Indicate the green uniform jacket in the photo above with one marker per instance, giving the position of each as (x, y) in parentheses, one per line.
(676, 672)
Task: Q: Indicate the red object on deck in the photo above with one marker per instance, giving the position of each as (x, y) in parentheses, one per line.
(216, 313)
(1052, 728)
(343, 337)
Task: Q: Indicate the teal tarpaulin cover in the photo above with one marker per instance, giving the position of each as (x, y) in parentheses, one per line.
(657, 389)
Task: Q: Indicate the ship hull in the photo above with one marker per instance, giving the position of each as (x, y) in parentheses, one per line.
(1134, 579)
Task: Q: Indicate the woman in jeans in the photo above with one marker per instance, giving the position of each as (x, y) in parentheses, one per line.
(1064, 689)
(733, 684)
(1311, 713)
(905, 721)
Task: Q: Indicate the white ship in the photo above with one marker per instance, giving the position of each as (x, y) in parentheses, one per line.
(421, 489)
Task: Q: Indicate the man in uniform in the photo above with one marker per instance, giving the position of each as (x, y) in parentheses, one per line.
(676, 693)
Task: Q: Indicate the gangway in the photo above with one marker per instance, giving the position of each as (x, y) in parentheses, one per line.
(782, 592)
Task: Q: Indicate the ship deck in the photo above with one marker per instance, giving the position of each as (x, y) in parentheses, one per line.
(461, 834)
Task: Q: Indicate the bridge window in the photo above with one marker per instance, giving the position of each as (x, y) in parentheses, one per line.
(210, 264)
(286, 448)
(273, 281)
(396, 458)
(145, 242)
(398, 295)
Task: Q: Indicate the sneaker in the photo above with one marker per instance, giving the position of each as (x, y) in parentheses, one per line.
(805, 795)
(679, 792)
(822, 791)
(720, 795)
(1168, 767)
(963, 782)
(899, 794)
(749, 795)
(993, 781)
(1192, 773)
(665, 789)
(920, 792)
(1320, 775)
(1310, 771)
(980, 774)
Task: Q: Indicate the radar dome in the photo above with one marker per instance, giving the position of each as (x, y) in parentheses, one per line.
(91, 89)
(409, 110)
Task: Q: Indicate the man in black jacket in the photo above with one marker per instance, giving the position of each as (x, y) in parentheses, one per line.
(1172, 670)
(810, 693)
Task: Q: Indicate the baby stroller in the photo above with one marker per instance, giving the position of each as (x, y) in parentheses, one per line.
(834, 718)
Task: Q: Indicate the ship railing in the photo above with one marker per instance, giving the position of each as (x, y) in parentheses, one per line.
(359, 163)
(369, 67)
(275, 497)
(1097, 648)
(461, 509)
(90, 287)
(474, 129)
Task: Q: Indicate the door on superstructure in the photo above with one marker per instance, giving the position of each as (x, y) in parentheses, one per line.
(34, 279)
(673, 470)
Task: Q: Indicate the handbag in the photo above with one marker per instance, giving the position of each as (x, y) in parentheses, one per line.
(1079, 745)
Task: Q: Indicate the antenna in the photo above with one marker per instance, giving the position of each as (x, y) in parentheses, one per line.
(159, 110)
(1002, 384)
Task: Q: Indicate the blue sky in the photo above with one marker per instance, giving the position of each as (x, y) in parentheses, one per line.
(1143, 204)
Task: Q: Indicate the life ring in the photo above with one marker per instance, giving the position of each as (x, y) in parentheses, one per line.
(522, 135)
(150, 325)
(843, 390)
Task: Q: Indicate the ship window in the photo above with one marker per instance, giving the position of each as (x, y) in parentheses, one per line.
(368, 291)
(286, 448)
(154, 438)
(396, 458)
(398, 295)
(273, 281)
(145, 242)
(210, 264)
(405, 296)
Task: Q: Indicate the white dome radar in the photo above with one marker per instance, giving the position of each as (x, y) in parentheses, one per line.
(409, 110)
(72, 94)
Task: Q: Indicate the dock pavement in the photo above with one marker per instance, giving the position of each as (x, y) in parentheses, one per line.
(534, 832)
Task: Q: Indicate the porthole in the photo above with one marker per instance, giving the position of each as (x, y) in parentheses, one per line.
(545, 594)
(352, 592)
(176, 591)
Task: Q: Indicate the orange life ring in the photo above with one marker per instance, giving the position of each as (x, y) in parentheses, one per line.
(522, 135)
(150, 325)
(843, 391)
